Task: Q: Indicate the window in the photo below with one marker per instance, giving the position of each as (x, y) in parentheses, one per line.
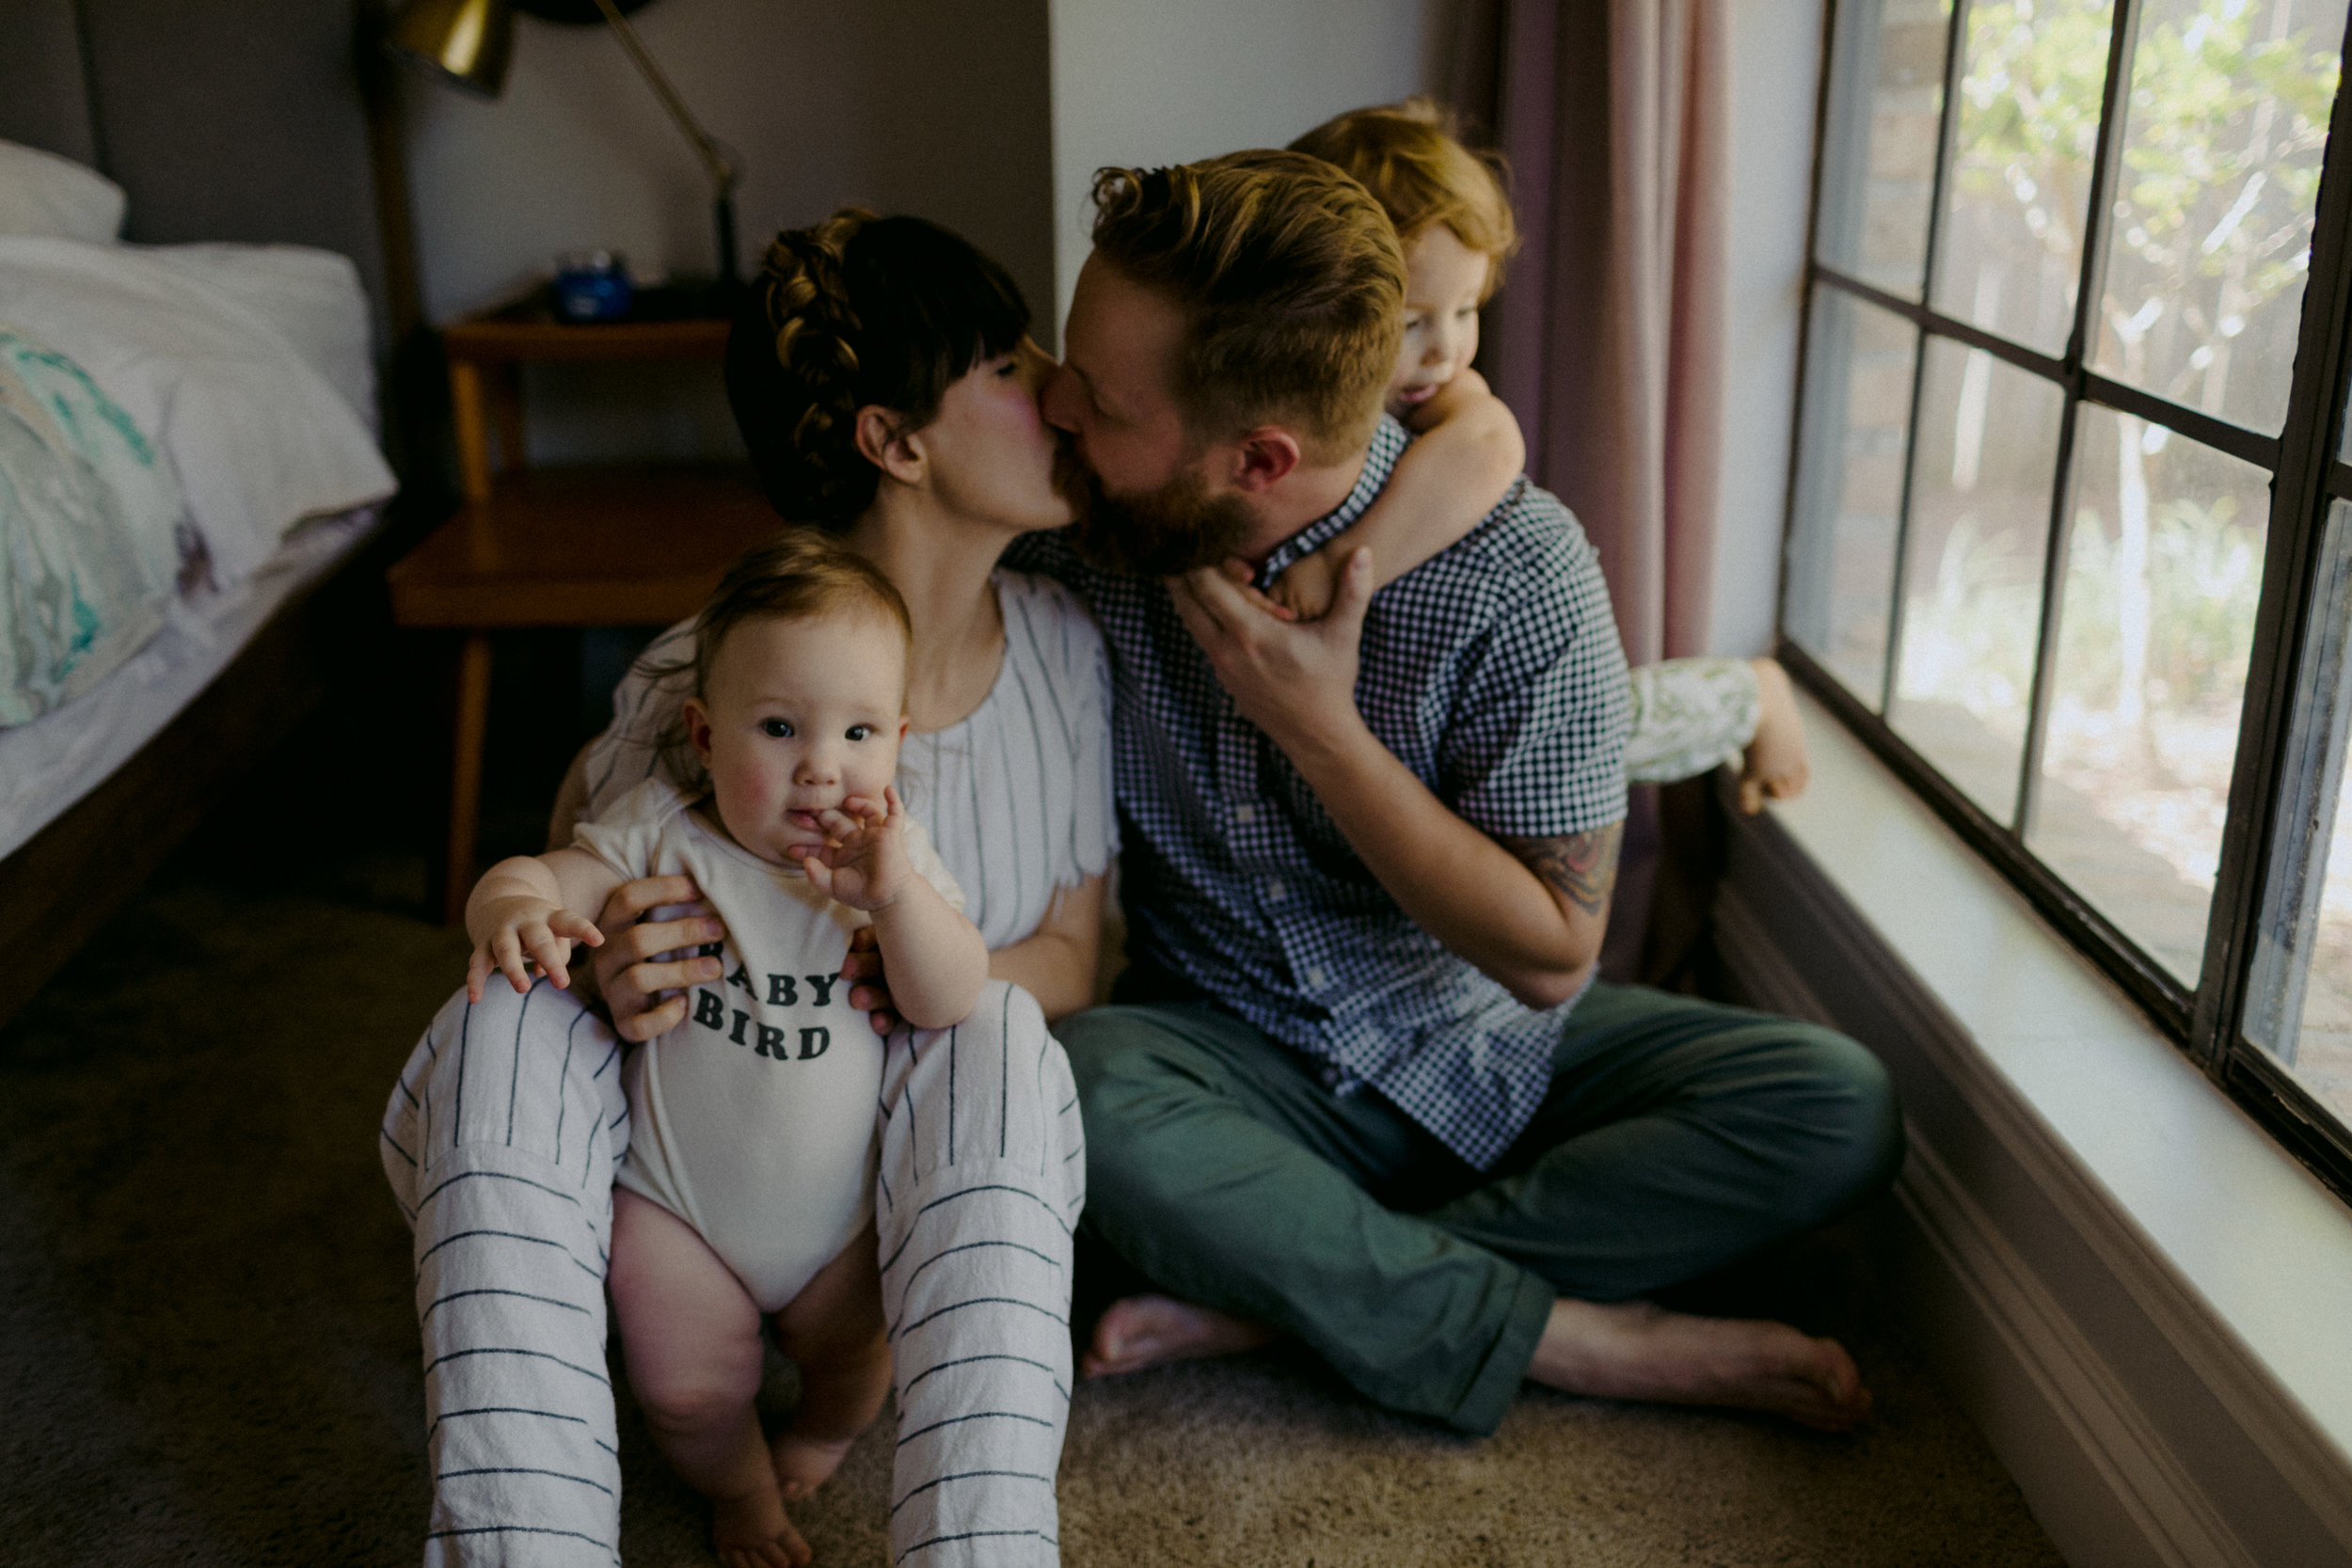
(2070, 536)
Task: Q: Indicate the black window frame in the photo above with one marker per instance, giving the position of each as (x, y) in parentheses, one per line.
(2206, 1023)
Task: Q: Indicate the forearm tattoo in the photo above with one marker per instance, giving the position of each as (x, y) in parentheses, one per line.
(1582, 865)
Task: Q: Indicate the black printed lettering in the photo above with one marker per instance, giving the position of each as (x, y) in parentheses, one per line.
(709, 1012)
(741, 1020)
(743, 977)
(822, 985)
(770, 1042)
(780, 992)
(710, 949)
(813, 1042)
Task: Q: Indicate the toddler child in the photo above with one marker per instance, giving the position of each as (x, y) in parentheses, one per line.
(1454, 221)
(747, 1192)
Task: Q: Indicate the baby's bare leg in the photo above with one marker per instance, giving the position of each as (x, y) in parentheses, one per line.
(834, 1331)
(691, 1336)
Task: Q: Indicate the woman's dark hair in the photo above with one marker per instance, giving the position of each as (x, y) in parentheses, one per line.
(856, 310)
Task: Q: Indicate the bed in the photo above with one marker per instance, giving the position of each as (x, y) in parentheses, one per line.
(238, 331)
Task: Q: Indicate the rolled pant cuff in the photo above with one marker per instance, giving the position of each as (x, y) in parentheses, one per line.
(1490, 1393)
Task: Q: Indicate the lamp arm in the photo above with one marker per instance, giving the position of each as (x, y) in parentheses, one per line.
(721, 168)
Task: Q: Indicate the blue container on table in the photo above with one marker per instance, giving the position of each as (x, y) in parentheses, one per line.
(591, 286)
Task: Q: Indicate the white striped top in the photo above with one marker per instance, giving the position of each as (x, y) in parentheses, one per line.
(1017, 795)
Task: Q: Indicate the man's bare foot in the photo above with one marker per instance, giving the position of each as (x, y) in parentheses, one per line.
(804, 1463)
(1144, 1331)
(751, 1531)
(1636, 1351)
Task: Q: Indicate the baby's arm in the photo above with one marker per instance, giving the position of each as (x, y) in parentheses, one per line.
(936, 960)
(1469, 453)
(525, 909)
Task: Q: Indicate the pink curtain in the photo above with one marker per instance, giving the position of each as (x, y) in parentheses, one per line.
(1608, 341)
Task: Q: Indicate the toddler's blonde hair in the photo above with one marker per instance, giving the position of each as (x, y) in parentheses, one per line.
(1411, 157)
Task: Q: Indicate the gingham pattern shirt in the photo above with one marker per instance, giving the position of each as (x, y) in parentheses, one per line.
(1494, 671)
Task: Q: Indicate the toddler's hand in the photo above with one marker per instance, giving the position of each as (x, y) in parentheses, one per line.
(864, 862)
(1774, 767)
(1307, 586)
(522, 928)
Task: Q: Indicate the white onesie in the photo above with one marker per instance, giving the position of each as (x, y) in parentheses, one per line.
(754, 1120)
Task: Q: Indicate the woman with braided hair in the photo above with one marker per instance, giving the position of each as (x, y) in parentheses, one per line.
(882, 374)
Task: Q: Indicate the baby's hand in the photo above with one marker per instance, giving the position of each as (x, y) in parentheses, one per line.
(864, 860)
(523, 926)
(1774, 767)
(1308, 585)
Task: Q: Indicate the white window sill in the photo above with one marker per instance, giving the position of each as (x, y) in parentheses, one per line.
(2260, 1241)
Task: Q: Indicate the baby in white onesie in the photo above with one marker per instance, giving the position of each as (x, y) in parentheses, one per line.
(747, 1194)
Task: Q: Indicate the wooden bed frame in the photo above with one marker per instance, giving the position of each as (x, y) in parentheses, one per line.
(260, 121)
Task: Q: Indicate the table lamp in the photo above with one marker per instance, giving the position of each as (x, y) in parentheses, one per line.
(468, 44)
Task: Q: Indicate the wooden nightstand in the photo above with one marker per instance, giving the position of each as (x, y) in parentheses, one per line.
(605, 545)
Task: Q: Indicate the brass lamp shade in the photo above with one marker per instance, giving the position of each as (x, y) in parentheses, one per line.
(464, 42)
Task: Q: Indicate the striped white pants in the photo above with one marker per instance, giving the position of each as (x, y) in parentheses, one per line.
(500, 1142)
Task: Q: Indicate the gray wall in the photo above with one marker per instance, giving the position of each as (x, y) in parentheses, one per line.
(1776, 75)
(934, 106)
(1149, 82)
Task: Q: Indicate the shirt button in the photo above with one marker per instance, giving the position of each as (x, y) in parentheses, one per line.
(1274, 891)
(1245, 814)
(1315, 977)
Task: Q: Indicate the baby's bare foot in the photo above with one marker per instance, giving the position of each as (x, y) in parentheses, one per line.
(1144, 1331)
(1636, 1351)
(751, 1531)
(804, 1463)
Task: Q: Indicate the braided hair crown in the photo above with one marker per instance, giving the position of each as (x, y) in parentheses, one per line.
(857, 311)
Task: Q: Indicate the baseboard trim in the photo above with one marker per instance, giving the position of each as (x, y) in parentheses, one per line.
(2138, 1425)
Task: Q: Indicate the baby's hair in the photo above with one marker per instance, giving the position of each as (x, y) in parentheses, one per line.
(1411, 157)
(801, 574)
(857, 311)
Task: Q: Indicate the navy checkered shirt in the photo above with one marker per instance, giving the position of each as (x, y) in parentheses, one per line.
(1494, 671)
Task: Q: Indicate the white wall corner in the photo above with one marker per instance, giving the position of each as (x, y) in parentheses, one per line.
(2140, 1428)
(1775, 78)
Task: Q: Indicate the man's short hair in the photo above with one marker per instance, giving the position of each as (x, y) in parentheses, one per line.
(1411, 156)
(1291, 282)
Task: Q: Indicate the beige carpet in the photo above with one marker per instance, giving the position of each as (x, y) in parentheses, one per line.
(207, 1356)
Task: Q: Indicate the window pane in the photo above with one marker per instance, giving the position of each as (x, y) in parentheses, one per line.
(1878, 153)
(2163, 568)
(2029, 127)
(2213, 215)
(2298, 1003)
(1849, 477)
(1972, 589)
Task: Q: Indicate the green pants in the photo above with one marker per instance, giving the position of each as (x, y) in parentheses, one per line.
(1678, 1135)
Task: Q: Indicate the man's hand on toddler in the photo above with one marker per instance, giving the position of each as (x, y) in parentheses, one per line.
(1292, 680)
(527, 931)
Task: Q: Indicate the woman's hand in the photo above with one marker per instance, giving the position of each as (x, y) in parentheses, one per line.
(868, 989)
(645, 966)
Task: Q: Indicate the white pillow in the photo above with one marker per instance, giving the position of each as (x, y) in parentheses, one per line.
(45, 195)
(258, 438)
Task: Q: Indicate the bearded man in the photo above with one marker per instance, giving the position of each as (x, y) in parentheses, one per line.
(1360, 1084)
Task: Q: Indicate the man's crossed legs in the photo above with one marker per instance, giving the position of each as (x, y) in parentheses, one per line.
(1678, 1135)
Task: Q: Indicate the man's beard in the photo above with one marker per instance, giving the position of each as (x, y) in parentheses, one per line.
(1177, 528)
